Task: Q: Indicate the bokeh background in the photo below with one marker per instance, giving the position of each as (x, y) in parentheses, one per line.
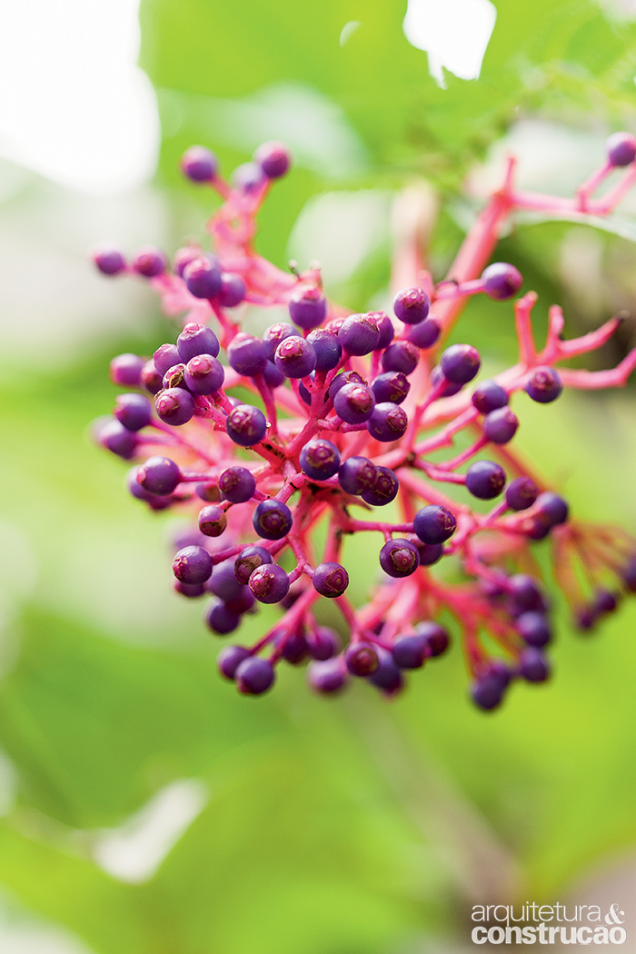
(146, 808)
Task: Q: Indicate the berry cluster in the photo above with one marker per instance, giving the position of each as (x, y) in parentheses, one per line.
(346, 415)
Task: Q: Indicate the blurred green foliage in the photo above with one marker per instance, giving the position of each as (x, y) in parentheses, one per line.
(324, 829)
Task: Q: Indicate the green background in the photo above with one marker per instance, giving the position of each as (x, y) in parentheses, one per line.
(348, 826)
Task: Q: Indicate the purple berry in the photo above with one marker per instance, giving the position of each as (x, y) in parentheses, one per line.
(190, 591)
(237, 484)
(411, 305)
(399, 558)
(320, 459)
(384, 326)
(344, 377)
(426, 334)
(269, 583)
(323, 643)
(534, 629)
(197, 339)
(246, 425)
(330, 580)
(295, 357)
(501, 281)
(175, 406)
(544, 385)
(392, 386)
(486, 693)
(110, 261)
(224, 583)
(212, 521)
(327, 677)
(605, 602)
(254, 676)
(149, 262)
(199, 164)
(273, 158)
(273, 377)
(354, 403)
(401, 356)
(533, 666)
(328, 348)
(233, 290)
(430, 553)
(384, 490)
(447, 387)
(437, 637)
(125, 370)
(294, 648)
(273, 336)
(203, 277)
(230, 658)
(117, 439)
(248, 560)
(388, 422)
(150, 378)
(521, 493)
(308, 308)
(183, 257)
(165, 357)
(434, 524)
(500, 426)
(359, 334)
(460, 363)
(409, 652)
(173, 378)
(272, 519)
(489, 396)
(357, 475)
(621, 149)
(246, 355)
(204, 374)
(220, 619)
(361, 659)
(387, 676)
(159, 475)
(134, 411)
(192, 565)
(485, 479)
(553, 508)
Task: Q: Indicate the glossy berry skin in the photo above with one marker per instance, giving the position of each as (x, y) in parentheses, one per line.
(521, 493)
(192, 565)
(387, 676)
(330, 579)
(401, 356)
(621, 149)
(272, 519)
(159, 475)
(344, 377)
(254, 676)
(384, 326)
(295, 357)
(553, 507)
(109, 261)
(134, 411)
(489, 396)
(212, 521)
(425, 334)
(485, 479)
(399, 558)
(246, 355)
(204, 374)
(125, 370)
(357, 475)
(486, 693)
(273, 158)
(388, 422)
(273, 336)
(460, 363)
(246, 425)
(150, 379)
(361, 659)
(359, 335)
(320, 459)
(500, 426)
(384, 490)
(534, 629)
(409, 652)
(446, 387)
(411, 305)
(248, 560)
(327, 677)
(391, 386)
(434, 524)
(199, 164)
(190, 592)
(308, 308)
(175, 406)
(294, 649)
(544, 385)
(237, 484)
(230, 658)
(269, 583)
(430, 553)
(533, 666)
(165, 357)
(436, 636)
(118, 439)
(328, 348)
(323, 643)
(273, 377)
(354, 403)
(197, 339)
(149, 262)
(525, 593)
(224, 583)
(220, 619)
(203, 277)
(501, 281)
(233, 290)
(183, 257)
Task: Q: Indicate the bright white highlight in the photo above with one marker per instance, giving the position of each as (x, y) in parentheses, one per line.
(133, 852)
(454, 33)
(73, 105)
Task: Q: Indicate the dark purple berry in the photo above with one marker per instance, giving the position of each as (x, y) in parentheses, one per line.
(233, 290)
(183, 257)
(204, 374)
(429, 553)
(134, 411)
(621, 149)
(125, 370)
(273, 158)
(328, 677)
(150, 378)
(388, 422)
(199, 164)
(384, 490)
(159, 475)
(173, 378)
(273, 336)
(220, 619)
(544, 385)
(489, 396)
(387, 676)
(328, 348)
(190, 591)
(628, 575)
(320, 459)
(533, 666)
(485, 479)
(273, 377)
(254, 676)
(460, 363)
(361, 659)
(165, 357)
(354, 403)
(243, 603)
(605, 602)
(175, 406)
(272, 519)
(385, 327)
(295, 357)
(323, 643)
(246, 354)
(357, 475)
(399, 557)
(410, 652)
(359, 334)
(248, 560)
(344, 377)
(192, 565)
(486, 693)
(230, 658)
(392, 386)
(330, 580)
(294, 648)
(411, 305)
(197, 339)
(434, 524)
(203, 277)
(237, 484)
(117, 439)
(447, 388)
(208, 491)
(437, 637)
(401, 356)
(110, 261)
(308, 308)
(269, 583)
(501, 281)
(149, 262)
(586, 618)
(526, 593)
(500, 426)
(553, 508)
(521, 493)
(224, 583)
(534, 629)
(246, 425)
(212, 521)
(426, 334)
